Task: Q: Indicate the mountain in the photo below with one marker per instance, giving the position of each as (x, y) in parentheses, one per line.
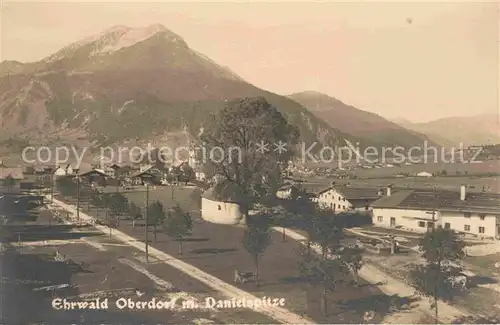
(351, 120)
(128, 83)
(466, 130)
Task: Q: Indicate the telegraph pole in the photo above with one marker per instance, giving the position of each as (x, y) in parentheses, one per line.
(147, 222)
(77, 197)
(434, 208)
(51, 187)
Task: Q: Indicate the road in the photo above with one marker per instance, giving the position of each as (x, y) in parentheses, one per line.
(99, 267)
(217, 250)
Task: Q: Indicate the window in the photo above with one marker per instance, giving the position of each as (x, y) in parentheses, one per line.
(338, 206)
(331, 206)
(466, 227)
(467, 214)
(421, 224)
(343, 207)
(482, 216)
(481, 230)
(219, 207)
(380, 218)
(447, 225)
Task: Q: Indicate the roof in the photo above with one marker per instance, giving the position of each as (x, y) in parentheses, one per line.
(441, 200)
(223, 192)
(313, 188)
(14, 172)
(92, 171)
(392, 201)
(143, 173)
(359, 193)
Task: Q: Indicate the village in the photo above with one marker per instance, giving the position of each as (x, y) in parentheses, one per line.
(387, 222)
(249, 163)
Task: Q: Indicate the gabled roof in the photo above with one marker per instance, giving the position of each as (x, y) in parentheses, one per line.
(441, 200)
(393, 201)
(14, 172)
(223, 192)
(359, 193)
(143, 173)
(92, 171)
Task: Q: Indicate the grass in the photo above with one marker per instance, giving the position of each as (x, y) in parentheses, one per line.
(186, 197)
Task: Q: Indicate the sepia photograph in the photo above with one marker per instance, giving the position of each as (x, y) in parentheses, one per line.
(249, 162)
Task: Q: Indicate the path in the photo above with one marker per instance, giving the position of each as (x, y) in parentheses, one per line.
(392, 286)
(280, 314)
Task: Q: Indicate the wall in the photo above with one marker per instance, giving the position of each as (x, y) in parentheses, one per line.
(405, 218)
(330, 198)
(229, 213)
(457, 222)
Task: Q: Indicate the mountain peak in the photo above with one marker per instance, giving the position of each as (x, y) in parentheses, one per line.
(113, 39)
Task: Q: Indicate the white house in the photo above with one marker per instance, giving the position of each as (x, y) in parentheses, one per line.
(424, 174)
(474, 213)
(341, 198)
(403, 210)
(64, 170)
(285, 191)
(332, 199)
(220, 210)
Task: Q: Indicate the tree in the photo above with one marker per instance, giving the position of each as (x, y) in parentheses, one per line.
(118, 204)
(327, 268)
(66, 186)
(352, 257)
(113, 222)
(9, 182)
(135, 213)
(96, 200)
(187, 173)
(244, 134)
(256, 239)
(442, 251)
(156, 215)
(300, 207)
(178, 225)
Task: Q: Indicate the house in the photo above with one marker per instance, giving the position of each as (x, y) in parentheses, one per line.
(93, 177)
(143, 178)
(286, 191)
(110, 172)
(64, 170)
(342, 198)
(200, 175)
(357, 198)
(405, 209)
(220, 209)
(145, 167)
(472, 213)
(10, 178)
(420, 209)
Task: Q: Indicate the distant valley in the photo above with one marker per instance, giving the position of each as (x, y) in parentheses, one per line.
(467, 130)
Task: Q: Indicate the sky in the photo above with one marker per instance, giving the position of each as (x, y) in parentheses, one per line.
(413, 60)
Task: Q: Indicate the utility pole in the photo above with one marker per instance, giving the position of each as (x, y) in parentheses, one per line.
(434, 208)
(147, 222)
(51, 187)
(77, 197)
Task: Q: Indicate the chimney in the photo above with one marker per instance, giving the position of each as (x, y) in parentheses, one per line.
(389, 187)
(379, 192)
(462, 193)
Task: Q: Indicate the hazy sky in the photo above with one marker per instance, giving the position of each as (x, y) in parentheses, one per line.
(366, 54)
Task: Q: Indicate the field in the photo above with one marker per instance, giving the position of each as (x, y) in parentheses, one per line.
(99, 267)
(188, 197)
(476, 184)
